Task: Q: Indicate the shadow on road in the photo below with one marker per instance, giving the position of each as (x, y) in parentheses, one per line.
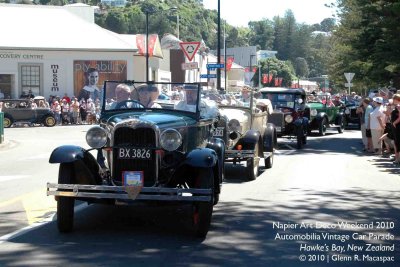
(242, 233)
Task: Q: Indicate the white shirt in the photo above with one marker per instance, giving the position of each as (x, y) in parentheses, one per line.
(374, 115)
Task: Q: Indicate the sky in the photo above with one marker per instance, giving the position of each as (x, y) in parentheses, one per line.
(240, 12)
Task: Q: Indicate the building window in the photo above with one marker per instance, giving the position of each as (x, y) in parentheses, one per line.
(30, 79)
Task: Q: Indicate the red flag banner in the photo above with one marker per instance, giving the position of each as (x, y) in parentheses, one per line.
(140, 43)
(254, 69)
(270, 76)
(264, 78)
(246, 69)
(152, 42)
(276, 82)
(280, 81)
(229, 62)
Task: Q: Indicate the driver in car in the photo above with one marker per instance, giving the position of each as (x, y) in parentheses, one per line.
(122, 93)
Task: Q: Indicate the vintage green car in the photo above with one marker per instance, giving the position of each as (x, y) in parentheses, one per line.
(324, 114)
(20, 111)
(146, 154)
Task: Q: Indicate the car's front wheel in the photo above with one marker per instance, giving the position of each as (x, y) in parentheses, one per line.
(300, 137)
(269, 161)
(65, 205)
(7, 122)
(322, 127)
(202, 211)
(253, 165)
(49, 121)
(341, 125)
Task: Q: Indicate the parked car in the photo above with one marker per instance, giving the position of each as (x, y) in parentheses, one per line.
(352, 119)
(324, 114)
(21, 111)
(290, 113)
(152, 156)
(248, 137)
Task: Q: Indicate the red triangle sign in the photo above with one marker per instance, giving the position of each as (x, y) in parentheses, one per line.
(189, 49)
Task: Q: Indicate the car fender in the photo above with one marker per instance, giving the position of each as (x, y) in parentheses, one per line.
(218, 145)
(202, 158)
(249, 140)
(67, 154)
(269, 138)
(320, 116)
(85, 165)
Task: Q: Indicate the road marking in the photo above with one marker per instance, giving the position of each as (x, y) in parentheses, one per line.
(4, 178)
(36, 204)
(43, 222)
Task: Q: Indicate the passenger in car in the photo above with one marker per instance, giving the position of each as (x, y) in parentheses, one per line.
(147, 95)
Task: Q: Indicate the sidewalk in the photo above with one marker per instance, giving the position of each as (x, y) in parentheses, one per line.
(7, 144)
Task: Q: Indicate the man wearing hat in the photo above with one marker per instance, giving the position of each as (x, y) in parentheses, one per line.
(377, 124)
(208, 109)
(189, 101)
(245, 98)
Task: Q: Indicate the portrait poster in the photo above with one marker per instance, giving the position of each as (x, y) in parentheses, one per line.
(112, 70)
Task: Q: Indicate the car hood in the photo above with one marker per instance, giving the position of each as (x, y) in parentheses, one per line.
(241, 115)
(316, 105)
(160, 119)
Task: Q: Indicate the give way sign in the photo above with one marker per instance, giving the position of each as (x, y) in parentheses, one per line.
(189, 49)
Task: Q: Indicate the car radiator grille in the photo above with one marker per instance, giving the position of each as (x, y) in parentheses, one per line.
(138, 138)
(353, 113)
(276, 119)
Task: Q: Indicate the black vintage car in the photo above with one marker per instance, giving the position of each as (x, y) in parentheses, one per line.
(351, 118)
(155, 155)
(21, 111)
(290, 113)
(248, 137)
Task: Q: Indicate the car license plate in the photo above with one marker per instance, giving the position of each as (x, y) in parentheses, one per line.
(278, 129)
(132, 178)
(134, 153)
(219, 131)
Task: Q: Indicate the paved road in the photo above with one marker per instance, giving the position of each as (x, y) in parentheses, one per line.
(312, 203)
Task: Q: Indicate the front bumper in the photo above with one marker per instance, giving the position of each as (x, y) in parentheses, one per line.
(121, 193)
(239, 153)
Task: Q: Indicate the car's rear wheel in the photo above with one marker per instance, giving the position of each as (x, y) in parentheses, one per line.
(253, 165)
(322, 127)
(65, 205)
(49, 121)
(7, 122)
(202, 211)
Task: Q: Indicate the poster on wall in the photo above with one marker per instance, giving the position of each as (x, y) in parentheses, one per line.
(89, 76)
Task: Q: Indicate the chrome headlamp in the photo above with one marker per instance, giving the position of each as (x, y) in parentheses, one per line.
(313, 112)
(288, 118)
(347, 111)
(170, 139)
(96, 137)
(234, 125)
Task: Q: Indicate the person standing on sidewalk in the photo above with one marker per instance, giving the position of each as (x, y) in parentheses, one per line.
(377, 124)
(368, 109)
(395, 119)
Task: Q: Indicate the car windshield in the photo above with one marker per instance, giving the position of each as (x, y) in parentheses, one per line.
(281, 99)
(133, 95)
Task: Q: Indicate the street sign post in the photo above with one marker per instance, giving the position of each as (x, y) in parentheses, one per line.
(349, 76)
(208, 76)
(215, 66)
(189, 49)
(190, 66)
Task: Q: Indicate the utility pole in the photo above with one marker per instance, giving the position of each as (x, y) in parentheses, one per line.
(219, 46)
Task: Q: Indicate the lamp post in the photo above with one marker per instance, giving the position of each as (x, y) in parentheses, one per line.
(250, 66)
(147, 46)
(219, 46)
(175, 9)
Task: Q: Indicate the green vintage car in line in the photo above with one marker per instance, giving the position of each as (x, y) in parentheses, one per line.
(324, 114)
